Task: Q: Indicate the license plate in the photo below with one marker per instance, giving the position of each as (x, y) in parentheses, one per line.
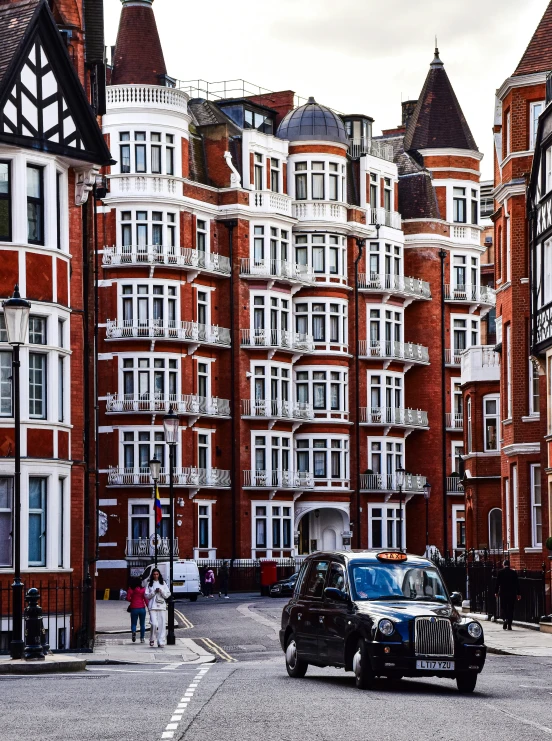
(440, 666)
(178, 583)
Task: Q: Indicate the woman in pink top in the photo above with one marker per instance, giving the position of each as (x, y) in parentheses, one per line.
(136, 595)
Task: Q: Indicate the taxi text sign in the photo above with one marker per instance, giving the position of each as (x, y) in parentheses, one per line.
(392, 556)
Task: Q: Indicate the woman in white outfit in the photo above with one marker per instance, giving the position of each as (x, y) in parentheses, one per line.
(157, 594)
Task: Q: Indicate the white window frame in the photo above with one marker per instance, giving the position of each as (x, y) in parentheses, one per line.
(331, 167)
(536, 507)
(515, 508)
(269, 517)
(326, 345)
(534, 121)
(328, 444)
(135, 297)
(378, 322)
(508, 338)
(469, 424)
(209, 517)
(208, 446)
(496, 417)
(395, 508)
(455, 455)
(508, 137)
(342, 412)
(168, 225)
(458, 515)
(507, 507)
(501, 543)
(534, 398)
(172, 365)
(331, 247)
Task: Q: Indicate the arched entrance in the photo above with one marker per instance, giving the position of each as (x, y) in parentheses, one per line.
(321, 526)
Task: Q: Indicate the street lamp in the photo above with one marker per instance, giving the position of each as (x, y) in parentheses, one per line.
(427, 495)
(400, 474)
(155, 472)
(171, 424)
(16, 317)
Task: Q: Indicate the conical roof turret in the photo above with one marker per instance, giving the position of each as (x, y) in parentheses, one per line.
(138, 58)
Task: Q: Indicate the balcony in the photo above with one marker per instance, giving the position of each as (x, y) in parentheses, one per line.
(383, 217)
(156, 329)
(169, 257)
(454, 485)
(453, 356)
(268, 202)
(277, 480)
(358, 147)
(146, 96)
(145, 547)
(386, 350)
(466, 234)
(455, 421)
(287, 272)
(381, 482)
(277, 409)
(277, 339)
(335, 213)
(188, 404)
(480, 363)
(393, 417)
(473, 295)
(143, 185)
(190, 477)
(394, 285)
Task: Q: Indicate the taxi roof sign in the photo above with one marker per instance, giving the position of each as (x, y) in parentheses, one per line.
(391, 556)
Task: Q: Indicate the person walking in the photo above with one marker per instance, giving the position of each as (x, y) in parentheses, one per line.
(209, 583)
(136, 595)
(223, 577)
(507, 590)
(157, 594)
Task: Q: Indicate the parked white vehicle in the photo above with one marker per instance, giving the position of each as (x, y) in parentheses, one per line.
(186, 582)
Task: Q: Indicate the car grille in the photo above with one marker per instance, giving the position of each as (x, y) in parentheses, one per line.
(433, 637)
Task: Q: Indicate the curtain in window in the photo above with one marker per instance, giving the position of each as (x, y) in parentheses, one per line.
(318, 187)
(318, 259)
(320, 464)
(319, 327)
(300, 187)
(261, 532)
(37, 521)
(319, 395)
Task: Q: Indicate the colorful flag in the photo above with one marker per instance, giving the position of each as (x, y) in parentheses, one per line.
(158, 510)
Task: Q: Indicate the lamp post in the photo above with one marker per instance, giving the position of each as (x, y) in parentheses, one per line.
(427, 495)
(400, 473)
(171, 424)
(155, 472)
(16, 316)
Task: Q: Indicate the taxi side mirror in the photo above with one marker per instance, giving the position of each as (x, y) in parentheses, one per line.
(456, 599)
(338, 595)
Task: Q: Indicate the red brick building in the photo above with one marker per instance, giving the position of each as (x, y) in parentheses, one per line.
(51, 149)
(233, 232)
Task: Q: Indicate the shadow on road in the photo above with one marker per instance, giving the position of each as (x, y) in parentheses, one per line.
(402, 686)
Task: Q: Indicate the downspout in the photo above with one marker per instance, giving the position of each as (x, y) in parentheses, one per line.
(96, 399)
(360, 244)
(443, 255)
(86, 637)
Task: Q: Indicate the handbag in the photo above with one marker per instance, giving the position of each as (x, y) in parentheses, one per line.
(159, 599)
(129, 609)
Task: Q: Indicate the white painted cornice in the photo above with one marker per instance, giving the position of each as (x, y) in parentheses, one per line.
(471, 153)
(521, 449)
(519, 81)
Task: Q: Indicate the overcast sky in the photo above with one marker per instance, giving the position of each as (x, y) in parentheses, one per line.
(360, 56)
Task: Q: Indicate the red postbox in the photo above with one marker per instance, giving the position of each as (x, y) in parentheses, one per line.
(269, 576)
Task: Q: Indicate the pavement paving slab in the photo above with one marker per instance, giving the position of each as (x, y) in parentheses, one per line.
(517, 642)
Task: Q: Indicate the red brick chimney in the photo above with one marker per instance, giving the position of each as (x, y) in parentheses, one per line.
(138, 54)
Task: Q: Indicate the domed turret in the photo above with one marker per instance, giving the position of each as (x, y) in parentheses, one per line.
(312, 122)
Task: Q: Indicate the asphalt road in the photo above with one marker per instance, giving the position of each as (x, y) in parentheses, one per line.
(248, 696)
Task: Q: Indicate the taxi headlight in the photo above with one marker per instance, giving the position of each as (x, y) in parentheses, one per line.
(386, 627)
(475, 630)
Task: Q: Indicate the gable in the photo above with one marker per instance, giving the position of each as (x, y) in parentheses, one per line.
(36, 106)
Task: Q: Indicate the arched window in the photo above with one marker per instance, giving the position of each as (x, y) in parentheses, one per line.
(495, 529)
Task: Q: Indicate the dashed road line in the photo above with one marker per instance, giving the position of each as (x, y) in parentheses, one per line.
(219, 651)
(525, 721)
(176, 717)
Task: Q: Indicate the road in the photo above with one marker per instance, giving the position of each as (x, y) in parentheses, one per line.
(247, 695)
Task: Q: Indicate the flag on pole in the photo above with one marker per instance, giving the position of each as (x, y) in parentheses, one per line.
(158, 510)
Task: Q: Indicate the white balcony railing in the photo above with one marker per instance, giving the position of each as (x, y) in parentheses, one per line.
(453, 357)
(177, 257)
(145, 547)
(399, 350)
(276, 269)
(270, 202)
(455, 421)
(278, 338)
(469, 234)
(480, 363)
(385, 218)
(181, 403)
(380, 149)
(191, 477)
(388, 482)
(128, 184)
(278, 479)
(277, 409)
(398, 417)
(320, 211)
(156, 329)
(396, 284)
(142, 96)
(470, 294)
(454, 485)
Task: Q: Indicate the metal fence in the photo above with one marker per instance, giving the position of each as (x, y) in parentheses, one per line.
(61, 609)
(245, 575)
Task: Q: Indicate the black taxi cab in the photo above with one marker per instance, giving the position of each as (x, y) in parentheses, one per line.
(379, 614)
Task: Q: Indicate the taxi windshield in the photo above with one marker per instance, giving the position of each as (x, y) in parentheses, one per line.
(397, 581)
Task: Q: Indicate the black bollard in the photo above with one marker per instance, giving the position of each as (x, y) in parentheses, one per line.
(33, 627)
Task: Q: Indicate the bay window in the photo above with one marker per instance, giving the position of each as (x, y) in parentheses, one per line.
(143, 152)
(37, 386)
(259, 172)
(327, 323)
(535, 110)
(387, 194)
(474, 207)
(124, 151)
(140, 304)
(169, 154)
(140, 152)
(139, 447)
(327, 180)
(384, 526)
(459, 205)
(317, 181)
(145, 231)
(324, 388)
(35, 204)
(374, 190)
(326, 254)
(327, 458)
(155, 151)
(150, 378)
(5, 201)
(301, 181)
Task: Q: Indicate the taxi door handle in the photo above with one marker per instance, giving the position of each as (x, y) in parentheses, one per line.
(299, 615)
(321, 619)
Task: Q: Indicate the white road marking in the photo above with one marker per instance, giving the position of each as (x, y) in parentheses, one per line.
(526, 721)
(183, 703)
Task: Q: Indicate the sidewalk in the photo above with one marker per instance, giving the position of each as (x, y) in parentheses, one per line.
(517, 642)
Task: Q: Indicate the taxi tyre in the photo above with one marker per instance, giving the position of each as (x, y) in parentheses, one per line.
(193, 598)
(466, 682)
(364, 676)
(296, 667)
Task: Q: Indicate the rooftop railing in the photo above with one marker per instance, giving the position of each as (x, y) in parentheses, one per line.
(383, 150)
(154, 96)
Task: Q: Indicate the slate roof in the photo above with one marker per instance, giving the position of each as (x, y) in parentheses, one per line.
(312, 122)
(417, 198)
(15, 18)
(138, 58)
(538, 55)
(438, 121)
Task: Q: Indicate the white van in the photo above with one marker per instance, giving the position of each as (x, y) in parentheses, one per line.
(185, 577)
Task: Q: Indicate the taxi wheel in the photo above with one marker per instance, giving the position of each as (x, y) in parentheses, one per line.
(364, 676)
(466, 682)
(296, 667)
(193, 598)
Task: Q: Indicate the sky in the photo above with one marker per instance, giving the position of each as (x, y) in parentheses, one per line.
(356, 56)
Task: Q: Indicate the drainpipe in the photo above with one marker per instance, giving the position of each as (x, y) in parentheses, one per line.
(96, 400)
(86, 629)
(442, 256)
(360, 244)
